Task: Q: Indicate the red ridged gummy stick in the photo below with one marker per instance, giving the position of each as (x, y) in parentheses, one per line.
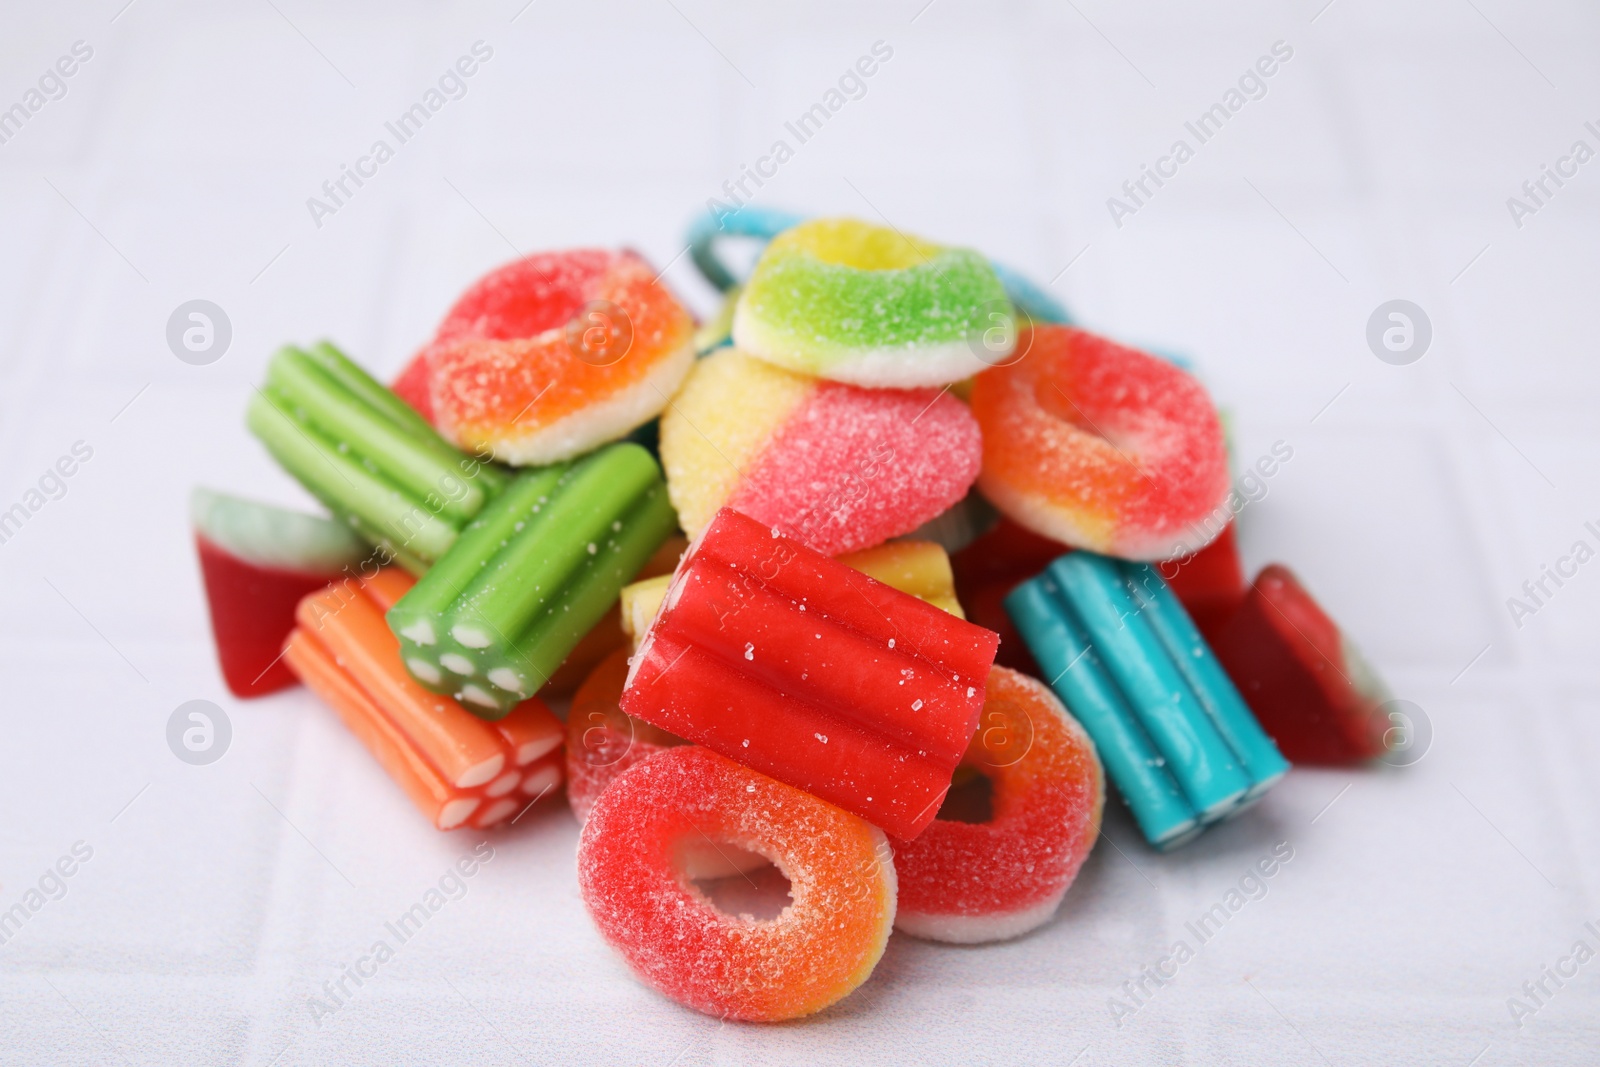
(814, 674)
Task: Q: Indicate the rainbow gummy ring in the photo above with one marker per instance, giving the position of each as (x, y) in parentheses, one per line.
(864, 304)
(631, 874)
(760, 223)
(1102, 447)
(552, 355)
(971, 882)
(836, 467)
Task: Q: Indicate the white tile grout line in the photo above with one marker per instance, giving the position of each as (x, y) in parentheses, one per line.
(1332, 802)
(1474, 660)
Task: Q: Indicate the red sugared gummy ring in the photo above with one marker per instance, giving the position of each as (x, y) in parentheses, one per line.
(552, 355)
(1102, 447)
(967, 882)
(822, 946)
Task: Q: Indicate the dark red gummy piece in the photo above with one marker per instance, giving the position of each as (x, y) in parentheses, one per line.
(988, 569)
(1287, 658)
(1209, 583)
(252, 612)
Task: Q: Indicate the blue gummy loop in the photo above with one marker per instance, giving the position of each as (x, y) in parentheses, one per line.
(1232, 718)
(1095, 589)
(1063, 651)
(748, 221)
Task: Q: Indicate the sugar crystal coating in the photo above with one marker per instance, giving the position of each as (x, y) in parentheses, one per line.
(797, 665)
(838, 467)
(602, 740)
(819, 949)
(549, 356)
(1101, 447)
(865, 304)
(971, 882)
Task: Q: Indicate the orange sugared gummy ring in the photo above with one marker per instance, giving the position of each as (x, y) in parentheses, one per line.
(548, 357)
(631, 873)
(1102, 447)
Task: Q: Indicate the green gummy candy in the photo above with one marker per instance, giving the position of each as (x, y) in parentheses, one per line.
(822, 305)
(865, 304)
(532, 574)
(371, 459)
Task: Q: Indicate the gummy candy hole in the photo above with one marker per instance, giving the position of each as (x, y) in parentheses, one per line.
(1097, 423)
(737, 881)
(740, 253)
(970, 799)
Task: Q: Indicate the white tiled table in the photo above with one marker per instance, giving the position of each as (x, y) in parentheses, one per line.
(1377, 166)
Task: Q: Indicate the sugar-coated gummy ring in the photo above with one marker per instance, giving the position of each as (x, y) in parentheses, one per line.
(1102, 447)
(968, 882)
(549, 356)
(867, 305)
(822, 946)
(766, 223)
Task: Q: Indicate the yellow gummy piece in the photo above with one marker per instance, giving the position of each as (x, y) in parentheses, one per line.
(718, 424)
(857, 244)
(640, 601)
(920, 568)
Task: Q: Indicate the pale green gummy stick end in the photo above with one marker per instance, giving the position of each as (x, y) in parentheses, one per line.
(370, 506)
(549, 556)
(270, 536)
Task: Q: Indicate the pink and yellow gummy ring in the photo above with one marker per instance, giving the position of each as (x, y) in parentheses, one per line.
(835, 466)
